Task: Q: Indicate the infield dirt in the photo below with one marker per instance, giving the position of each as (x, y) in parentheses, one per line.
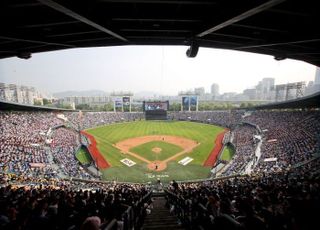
(186, 144)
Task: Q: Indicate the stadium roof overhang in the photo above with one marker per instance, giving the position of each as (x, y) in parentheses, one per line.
(281, 28)
(7, 106)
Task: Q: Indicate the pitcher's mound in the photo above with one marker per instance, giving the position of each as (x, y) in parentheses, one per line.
(156, 150)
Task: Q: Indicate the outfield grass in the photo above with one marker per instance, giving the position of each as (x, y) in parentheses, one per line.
(227, 153)
(108, 135)
(83, 156)
(167, 150)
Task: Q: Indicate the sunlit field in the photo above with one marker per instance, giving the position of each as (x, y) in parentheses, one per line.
(108, 136)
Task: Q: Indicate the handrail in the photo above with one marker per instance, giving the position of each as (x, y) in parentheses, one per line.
(132, 216)
(112, 225)
(300, 164)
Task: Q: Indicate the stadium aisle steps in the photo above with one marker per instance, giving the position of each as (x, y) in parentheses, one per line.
(55, 166)
(160, 217)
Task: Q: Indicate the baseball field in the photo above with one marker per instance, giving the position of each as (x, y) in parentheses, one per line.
(143, 151)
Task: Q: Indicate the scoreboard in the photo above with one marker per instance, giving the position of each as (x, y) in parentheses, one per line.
(155, 105)
(155, 110)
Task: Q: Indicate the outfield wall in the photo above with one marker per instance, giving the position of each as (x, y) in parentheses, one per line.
(95, 153)
(156, 115)
(213, 157)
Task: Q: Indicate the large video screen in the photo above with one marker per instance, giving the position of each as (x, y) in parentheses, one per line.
(150, 106)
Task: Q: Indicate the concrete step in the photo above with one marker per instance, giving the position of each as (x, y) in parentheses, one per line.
(167, 227)
(160, 222)
(160, 217)
(160, 213)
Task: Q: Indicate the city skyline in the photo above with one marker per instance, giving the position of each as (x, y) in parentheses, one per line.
(161, 69)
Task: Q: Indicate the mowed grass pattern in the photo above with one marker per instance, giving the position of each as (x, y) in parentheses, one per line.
(227, 154)
(83, 156)
(167, 150)
(107, 136)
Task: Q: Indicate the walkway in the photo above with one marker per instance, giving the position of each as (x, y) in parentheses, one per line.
(55, 166)
(160, 217)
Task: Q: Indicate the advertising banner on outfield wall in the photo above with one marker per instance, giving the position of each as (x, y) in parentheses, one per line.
(126, 101)
(126, 104)
(193, 103)
(185, 103)
(118, 102)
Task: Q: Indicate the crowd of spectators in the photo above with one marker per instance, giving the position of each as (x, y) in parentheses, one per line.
(244, 143)
(286, 200)
(56, 204)
(289, 136)
(223, 118)
(22, 139)
(92, 119)
(65, 143)
(274, 197)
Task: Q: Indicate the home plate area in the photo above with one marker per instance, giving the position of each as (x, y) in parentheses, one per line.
(185, 144)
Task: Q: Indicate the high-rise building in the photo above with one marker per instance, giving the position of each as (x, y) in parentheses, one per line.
(4, 91)
(228, 96)
(251, 94)
(17, 93)
(214, 90)
(316, 86)
(199, 91)
(317, 77)
(265, 89)
(30, 94)
(310, 88)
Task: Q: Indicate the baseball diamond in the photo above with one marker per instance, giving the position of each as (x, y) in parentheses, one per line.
(156, 147)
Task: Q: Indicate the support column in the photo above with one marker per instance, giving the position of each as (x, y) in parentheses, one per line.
(122, 104)
(197, 107)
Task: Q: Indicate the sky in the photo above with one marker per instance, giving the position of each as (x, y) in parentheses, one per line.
(163, 70)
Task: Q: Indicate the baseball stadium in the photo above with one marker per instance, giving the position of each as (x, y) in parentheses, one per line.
(157, 149)
(154, 163)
